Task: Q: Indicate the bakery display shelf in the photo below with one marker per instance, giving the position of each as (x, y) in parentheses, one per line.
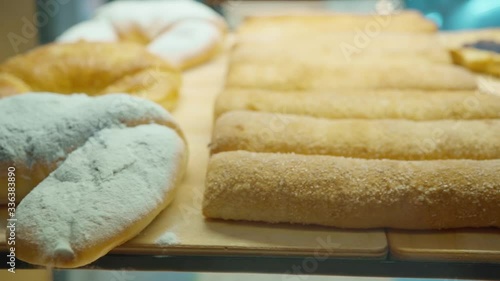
(181, 239)
(452, 245)
(294, 265)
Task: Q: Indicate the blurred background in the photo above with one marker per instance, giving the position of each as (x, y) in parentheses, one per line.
(27, 23)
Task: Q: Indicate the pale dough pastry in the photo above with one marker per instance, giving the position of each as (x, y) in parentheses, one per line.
(372, 139)
(94, 69)
(352, 193)
(102, 169)
(378, 74)
(184, 33)
(386, 104)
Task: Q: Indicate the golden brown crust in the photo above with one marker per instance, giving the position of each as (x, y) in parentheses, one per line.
(316, 76)
(353, 193)
(408, 21)
(477, 60)
(150, 84)
(10, 85)
(388, 104)
(95, 68)
(372, 139)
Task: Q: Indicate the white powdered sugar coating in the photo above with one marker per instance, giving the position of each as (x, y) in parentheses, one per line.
(92, 30)
(44, 127)
(115, 160)
(153, 17)
(185, 41)
(177, 30)
(167, 239)
(116, 178)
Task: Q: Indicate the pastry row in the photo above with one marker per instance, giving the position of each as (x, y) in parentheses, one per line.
(352, 128)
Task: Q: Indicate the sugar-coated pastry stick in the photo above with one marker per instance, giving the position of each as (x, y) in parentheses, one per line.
(377, 74)
(407, 21)
(384, 104)
(339, 47)
(352, 193)
(371, 139)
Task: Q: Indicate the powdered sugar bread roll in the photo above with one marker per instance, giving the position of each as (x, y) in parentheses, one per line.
(376, 74)
(364, 104)
(352, 193)
(39, 130)
(188, 43)
(184, 33)
(102, 195)
(102, 168)
(358, 138)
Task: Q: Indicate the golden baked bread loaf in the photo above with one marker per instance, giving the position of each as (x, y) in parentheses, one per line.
(358, 138)
(94, 69)
(364, 104)
(407, 21)
(352, 193)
